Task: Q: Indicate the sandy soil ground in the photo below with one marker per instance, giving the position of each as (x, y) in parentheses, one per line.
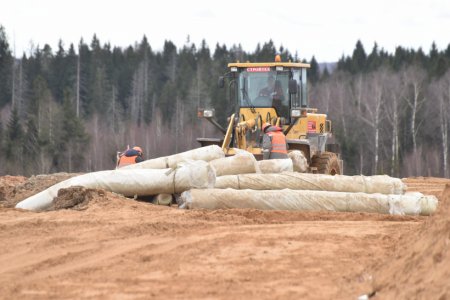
(111, 247)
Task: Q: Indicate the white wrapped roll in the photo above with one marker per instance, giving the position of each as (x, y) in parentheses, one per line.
(195, 174)
(241, 163)
(382, 184)
(276, 165)
(299, 161)
(207, 153)
(408, 204)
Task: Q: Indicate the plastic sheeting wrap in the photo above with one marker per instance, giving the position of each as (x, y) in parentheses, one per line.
(241, 163)
(382, 184)
(204, 153)
(299, 161)
(276, 165)
(409, 204)
(195, 174)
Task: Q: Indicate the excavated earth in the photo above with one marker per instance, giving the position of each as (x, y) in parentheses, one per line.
(96, 244)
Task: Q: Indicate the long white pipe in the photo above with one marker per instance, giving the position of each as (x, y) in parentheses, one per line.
(408, 204)
(382, 184)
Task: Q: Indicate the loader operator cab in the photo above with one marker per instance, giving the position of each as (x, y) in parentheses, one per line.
(271, 87)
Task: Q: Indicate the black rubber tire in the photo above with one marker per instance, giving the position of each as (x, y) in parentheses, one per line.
(326, 163)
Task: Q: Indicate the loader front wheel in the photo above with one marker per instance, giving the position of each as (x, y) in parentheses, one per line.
(326, 163)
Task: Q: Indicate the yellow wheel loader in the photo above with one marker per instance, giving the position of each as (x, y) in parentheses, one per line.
(276, 93)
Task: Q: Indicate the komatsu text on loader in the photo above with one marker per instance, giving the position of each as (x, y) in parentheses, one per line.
(276, 93)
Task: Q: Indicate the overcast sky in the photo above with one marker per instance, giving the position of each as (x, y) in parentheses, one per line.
(326, 29)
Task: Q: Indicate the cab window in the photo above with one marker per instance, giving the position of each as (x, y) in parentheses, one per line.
(264, 89)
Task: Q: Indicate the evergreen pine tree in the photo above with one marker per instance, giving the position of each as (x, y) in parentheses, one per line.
(237, 53)
(325, 74)
(71, 138)
(359, 58)
(419, 58)
(313, 72)
(447, 52)
(441, 66)
(341, 64)
(42, 107)
(267, 52)
(169, 59)
(186, 69)
(46, 62)
(285, 54)
(84, 73)
(254, 56)
(13, 144)
(220, 97)
(6, 64)
(399, 59)
(374, 60)
(166, 101)
(59, 73)
(437, 65)
(33, 65)
(31, 147)
(205, 77)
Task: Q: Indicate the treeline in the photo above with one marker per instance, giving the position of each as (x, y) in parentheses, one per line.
(391, 112)
(70, 109)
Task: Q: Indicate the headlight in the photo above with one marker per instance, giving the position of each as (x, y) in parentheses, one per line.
(208, 113)
(296, 113)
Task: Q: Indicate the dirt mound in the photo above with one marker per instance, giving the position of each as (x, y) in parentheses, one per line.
(419, 267)
(417, 263)
(75, 197)
(14, 189)
(7, 184)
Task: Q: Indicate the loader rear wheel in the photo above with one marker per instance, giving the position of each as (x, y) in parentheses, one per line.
(326, 163)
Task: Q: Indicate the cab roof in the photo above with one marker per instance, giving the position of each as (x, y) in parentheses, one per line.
(269, 64)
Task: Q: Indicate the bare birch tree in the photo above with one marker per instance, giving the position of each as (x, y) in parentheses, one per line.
(414, 80)
(394, 110)
(371, 111)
